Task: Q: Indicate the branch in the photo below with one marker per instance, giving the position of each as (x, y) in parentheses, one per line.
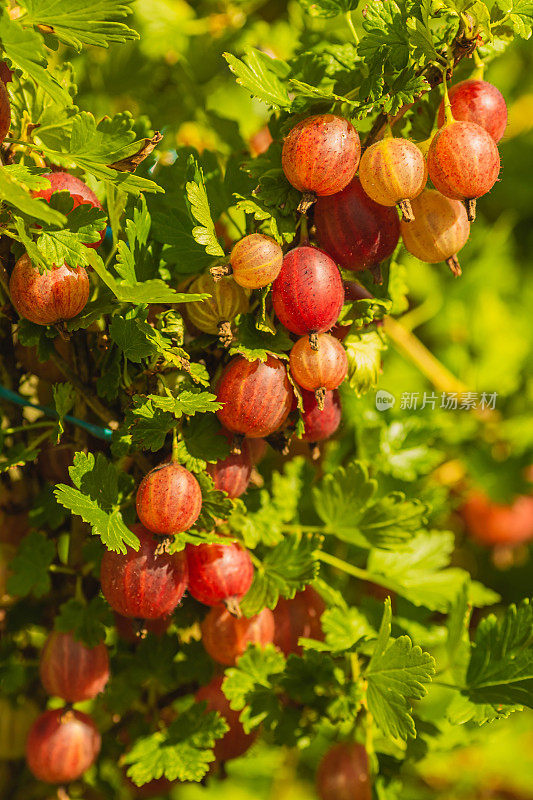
(99, 409)
(462, 46)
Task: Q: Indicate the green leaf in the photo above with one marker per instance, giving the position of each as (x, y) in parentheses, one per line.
(286, 569)
(500, 671)
(17, 456)
(29, 567)
(14, 194)
(86, 621)
(216, 505)
(64, 397)
(204, 233)
(131, 339)
(328, 8)
(364, 352)
(80, 22)
(202, 442)
(262, 76)
(344, 629)
(396, 674)
(181, 752)
(256, 672)
(256, 344)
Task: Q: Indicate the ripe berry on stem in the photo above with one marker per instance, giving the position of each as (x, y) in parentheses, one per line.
(255, 261)
(58, 294)
(308, 293)
(355, 231)
(62, 745)
(495, 524)
(320, 156)
(477, 101)
(393, 172)
(463, 162)
(226, 637)
(299, 617)
(80, 193)
(440, 229)
(219, 573)
(169, 499)
(232, 474)
(320, 424)
(235, 742)
(72, 671)
(321, 369)
(256, 396)
(214, 315)
(143, 584)
(343, 773)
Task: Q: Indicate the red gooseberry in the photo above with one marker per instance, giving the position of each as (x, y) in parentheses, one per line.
(215, 314)
(5, 110)
(463, 162)
(255, 261)
(232, 474)
(356, 231)
(321, 369)
(299, 617)
(71, 670)
(169, 499)
(477, 101)
(256, 396)
(440, 229)
(144, 584)
(308, 293)
(343, 773)
(320, 156)
(393, 172)
(235, 742)
(58, 294)
(62, 745)
(320, 424)
(226, 637)
(257, 449)
(219, 573)
(494, 524)
(78, 190)
(261, 141)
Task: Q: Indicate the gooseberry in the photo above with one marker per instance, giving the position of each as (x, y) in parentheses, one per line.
(343, 773)
(232, 474)
(477, 101)
(235, 742)
(256, 396)
(308, 293)
(321, 369)
(58, 294)
(144, 584)
(440, 229)
(226, 637)
(493, 523)
(219, 573)
(215, 314)
(463, 162)
(62, 745)
(320, 156)
(169, 499)
(356, 231)
(72, 671)
(299, 617)
(255, 261)
(320, 424)
(393, 172)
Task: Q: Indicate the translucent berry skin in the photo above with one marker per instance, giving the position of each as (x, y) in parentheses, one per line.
(320, 425)
(323, 368)
(494, 524)
(392, 170)
(226, 637)
(169, 499)
(480, 102)
(356, 232)
(15, 723)
(62, 745)
(321, 154)
(232, 474)
(256, 261)
(5, 112)
(256, 396)
(439, 230)
(142, 584)
(299, 617)
(78, 190)
(72, 671)
(56, 295)
(308, 294)
(227, 300)
(235, 742)
(463, 161)
(343, 773)
(219, 573)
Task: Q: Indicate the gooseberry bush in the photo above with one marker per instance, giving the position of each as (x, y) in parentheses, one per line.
(218, 547)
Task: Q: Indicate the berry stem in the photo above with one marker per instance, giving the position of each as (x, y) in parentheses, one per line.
(448, 115)
(308, 199)
(175, 458)
(349, 20)
(480, 66)
(304, 230)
